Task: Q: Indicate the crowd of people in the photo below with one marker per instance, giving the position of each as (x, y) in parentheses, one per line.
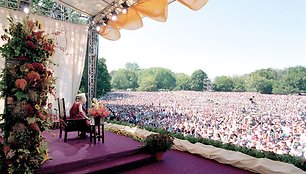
(266, 122)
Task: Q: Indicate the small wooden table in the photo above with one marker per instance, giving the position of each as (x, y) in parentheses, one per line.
(93, 133)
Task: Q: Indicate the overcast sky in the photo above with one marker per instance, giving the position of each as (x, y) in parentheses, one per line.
(223, 38)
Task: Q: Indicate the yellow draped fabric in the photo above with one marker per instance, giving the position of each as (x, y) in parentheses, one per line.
(129, 21)
(132, 20)
(194, 4)
(110, 32)
(154, 9)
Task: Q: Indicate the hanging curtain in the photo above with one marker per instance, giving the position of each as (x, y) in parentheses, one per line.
(69, 54)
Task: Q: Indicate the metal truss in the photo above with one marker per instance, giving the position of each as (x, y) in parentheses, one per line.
(92, 58)
(47, 8)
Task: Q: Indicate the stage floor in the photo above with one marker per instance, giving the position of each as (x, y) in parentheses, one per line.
(81, 151)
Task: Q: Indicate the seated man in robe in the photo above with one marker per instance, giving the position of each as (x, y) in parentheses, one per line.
(77, 112)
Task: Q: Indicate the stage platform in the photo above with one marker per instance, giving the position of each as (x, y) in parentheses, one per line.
(118, 153)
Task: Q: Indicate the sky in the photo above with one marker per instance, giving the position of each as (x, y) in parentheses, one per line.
(223, 38)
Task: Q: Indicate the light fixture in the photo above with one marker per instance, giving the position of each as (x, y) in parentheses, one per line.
(98, 28)
(125, 7)
(26, 9)
(114, 15)
(105, 20)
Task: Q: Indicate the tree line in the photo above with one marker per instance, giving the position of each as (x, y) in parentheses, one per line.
(132, 77)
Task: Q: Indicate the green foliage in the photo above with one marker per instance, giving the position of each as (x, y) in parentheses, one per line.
(124, 79)
(132, 66)
(198, 80)
(182, 82)
(103, 78)
(293, 80)
(160, 142)
(165, 78)
(257, 83)
(266, 81)
(223, 83)
(239, 83)
(147, 83)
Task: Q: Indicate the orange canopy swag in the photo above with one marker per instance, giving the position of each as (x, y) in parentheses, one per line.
(132, 19)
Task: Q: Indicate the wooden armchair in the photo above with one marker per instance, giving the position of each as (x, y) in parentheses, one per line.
(69, 124)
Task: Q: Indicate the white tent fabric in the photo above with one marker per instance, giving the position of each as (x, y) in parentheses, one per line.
(70, 62)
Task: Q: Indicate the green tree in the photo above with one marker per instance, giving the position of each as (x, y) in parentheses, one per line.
(269, 73)
(103, 78)
(132, 66)
(182, 82)
(147, 81)
(223, 83)
(199, 80)
(293, 80)
(258, 83)
(124, 79)
(165, 78)
(239, 83)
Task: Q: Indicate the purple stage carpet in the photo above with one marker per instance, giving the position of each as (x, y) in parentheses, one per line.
(81, 156)
(120, 154)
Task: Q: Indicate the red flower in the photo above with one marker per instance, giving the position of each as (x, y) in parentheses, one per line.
(30, 44)
(29, 110)
(28, 37)
(38, 34)
(48, 48)
(39, 67)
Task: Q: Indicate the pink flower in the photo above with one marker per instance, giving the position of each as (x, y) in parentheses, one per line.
(28, 37)
(30, 44)
(38, 34)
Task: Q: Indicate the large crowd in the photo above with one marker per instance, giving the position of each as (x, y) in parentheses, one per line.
(266, 122)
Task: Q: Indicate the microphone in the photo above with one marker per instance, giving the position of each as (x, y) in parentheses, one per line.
(55, 109)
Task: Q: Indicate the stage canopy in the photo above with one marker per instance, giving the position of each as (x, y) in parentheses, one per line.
(109, 16)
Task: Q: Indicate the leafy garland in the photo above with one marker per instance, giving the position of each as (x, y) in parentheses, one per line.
(27, 79)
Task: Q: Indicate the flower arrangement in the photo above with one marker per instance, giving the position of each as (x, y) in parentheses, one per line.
(161, 142)
(98, 109)
(26, 81)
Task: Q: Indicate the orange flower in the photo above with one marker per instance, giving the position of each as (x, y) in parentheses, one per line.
(32, 75)
(21, 83)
